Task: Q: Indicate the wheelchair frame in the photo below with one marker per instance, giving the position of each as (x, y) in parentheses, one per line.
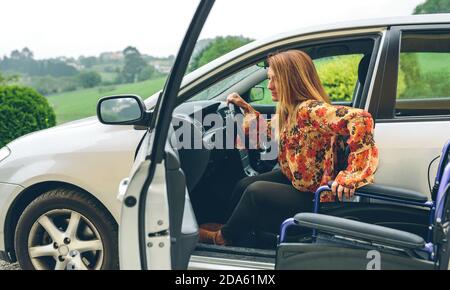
(436, 205)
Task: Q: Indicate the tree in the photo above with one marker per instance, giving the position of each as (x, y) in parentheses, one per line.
(87, 62)
(134, 64)
(27, 53)
(90, 79)
(22, 110)
(56, 68)
(147, 73)
(433, 6)
(15, 54)
(8, 79)
(409, 65)
(217, 47)
(23, 62)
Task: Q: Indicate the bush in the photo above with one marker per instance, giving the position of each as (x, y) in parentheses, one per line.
(339, 76)
(70, 88)
(47, 85)
(8, 79)
(44, 85)
(401, 83)
(90, 79)
(146, 73)
(434, 84)
(22, 110)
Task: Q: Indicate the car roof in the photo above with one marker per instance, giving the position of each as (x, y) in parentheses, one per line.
(441, 18)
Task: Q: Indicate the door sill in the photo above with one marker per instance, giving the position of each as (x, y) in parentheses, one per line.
(214, 257)
(216, 263)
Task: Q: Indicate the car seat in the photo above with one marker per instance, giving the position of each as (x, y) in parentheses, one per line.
(363, 68)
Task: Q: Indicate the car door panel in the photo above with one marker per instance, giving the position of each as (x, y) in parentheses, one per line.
(129, 257)
(407, 134)
(183, 224)
(145, 233)
(406, 150)
(156, 223)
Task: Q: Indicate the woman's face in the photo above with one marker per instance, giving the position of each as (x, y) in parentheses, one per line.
(271, 85)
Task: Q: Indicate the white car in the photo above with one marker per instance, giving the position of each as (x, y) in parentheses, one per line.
(59, 206)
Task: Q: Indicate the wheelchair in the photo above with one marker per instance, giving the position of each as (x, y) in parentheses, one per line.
(341, 243)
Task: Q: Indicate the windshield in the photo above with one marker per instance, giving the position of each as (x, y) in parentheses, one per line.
(214, 90)
(223, 85)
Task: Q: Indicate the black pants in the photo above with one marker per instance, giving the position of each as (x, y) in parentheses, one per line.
(262, 203)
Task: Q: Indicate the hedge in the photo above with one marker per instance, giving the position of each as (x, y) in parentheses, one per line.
(22, 110)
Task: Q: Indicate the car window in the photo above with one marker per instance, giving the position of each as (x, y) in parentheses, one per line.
(223, 85)
(423, 83)
(338, 74)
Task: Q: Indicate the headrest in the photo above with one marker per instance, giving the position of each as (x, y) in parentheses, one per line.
(363, 67)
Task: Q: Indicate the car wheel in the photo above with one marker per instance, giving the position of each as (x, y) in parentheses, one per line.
(66, 229)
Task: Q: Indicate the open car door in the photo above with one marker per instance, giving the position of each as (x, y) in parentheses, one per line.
(154, 200)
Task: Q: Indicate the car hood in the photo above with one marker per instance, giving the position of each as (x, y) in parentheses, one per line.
(83, 134)
(78, 136)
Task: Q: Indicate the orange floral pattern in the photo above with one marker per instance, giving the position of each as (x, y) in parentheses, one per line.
(309, 149)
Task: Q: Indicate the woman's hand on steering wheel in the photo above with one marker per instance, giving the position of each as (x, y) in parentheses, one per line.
(236, 99)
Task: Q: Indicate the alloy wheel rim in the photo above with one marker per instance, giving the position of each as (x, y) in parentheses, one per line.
(65, 239)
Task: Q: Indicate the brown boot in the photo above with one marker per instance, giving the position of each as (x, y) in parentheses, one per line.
(211, 227)
(211, 237)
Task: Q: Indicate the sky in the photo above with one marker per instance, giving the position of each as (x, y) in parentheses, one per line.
(52, 28)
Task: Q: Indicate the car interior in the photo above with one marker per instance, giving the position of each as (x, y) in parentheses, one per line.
(211, 174)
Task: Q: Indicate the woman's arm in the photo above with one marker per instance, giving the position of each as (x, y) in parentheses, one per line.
(358, 125)
(253, 124)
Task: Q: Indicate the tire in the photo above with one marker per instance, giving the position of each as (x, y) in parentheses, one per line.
(43, 232)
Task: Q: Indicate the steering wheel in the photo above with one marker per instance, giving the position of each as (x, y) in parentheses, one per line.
(234, 110)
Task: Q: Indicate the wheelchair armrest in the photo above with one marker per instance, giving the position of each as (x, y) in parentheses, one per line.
(393, 192)
(379, 191)
(364, 231)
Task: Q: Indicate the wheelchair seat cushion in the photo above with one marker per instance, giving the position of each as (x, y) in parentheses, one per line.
(360, 230)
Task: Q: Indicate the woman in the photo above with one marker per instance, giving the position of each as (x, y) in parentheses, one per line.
(311, 131)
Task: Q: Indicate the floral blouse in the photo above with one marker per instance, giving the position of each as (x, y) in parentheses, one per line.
(309, 150)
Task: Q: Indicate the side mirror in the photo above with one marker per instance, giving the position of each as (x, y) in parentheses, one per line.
(122, 110)
(263, 64)
(257, 94)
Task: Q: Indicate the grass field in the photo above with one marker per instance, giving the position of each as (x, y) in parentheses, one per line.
(433, 62)
(82, 103)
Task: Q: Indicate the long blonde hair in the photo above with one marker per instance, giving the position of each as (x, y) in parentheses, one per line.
(296, 80)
